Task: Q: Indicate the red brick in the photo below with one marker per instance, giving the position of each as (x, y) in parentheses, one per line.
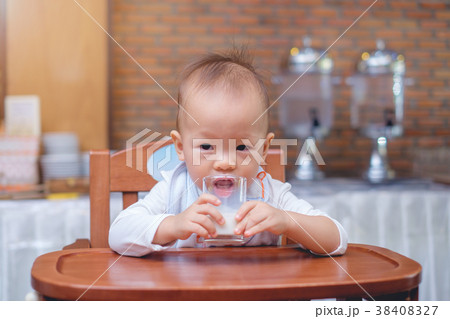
(418, 55)
(155, 7)
(190, 9)
(259, 10)
(401, 45)
(125, 92)
(277, 2)
(388, 34)
(226, 30)
(406, 24)
(224, 9)
(417, 113)
(332, 33)
(430, 142)
(403, 4)
(193, 29)
(370, 23)
(275, 41)
(418, 14)
(400, 143)
(295, 32)
(123, 7)
(323, 12)
(156, 29)
(444, 74)
(259, 31)
(442, 132)
(401, 164)
(176, 19)
(137, 40)
(387, 14)
(335, 143)
(431, 83)
(445, 34)
(433, 24)
(441, 92)
(444, 55)
(416, 132)
(429, 103)
(418, 34)
(278, 21)
(283, 12)
(213, 20)
(364, 142)
(430, 64)
(430, 122)
(309, 22)
(367, 3)
(417, 73)
(432, 44)
(311, 2)
(418, 94)
(356, 32)
(444, 15)
(244, 20)
(426, 4)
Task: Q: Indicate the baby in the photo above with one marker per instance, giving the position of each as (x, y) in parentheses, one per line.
(220, 98)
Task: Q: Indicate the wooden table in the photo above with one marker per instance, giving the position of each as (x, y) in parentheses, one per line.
(240, 273)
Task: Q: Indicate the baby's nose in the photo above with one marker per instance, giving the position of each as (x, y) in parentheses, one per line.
(225, 165)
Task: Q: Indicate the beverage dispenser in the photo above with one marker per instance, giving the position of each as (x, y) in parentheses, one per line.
(305, 86)
(377, 105)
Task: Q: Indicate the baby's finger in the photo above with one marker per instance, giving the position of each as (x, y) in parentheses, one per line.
(199, 230)
(206, 223)
(206, 209)
(257, 228)
(252, 218)
(245, 209)
(240, 227)
(208, 199)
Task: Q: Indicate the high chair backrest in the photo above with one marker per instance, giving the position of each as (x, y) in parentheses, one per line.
(126, 172)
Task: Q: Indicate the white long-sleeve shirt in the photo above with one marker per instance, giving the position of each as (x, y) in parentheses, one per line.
(133, 230)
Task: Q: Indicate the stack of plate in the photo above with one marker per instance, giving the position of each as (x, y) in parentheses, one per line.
(61, 143)
(85, 164)
(62, 158)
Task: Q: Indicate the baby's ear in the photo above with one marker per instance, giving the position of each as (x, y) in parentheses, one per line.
(176, 138)
(269, 139)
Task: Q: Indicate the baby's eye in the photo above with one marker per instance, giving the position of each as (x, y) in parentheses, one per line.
(206, 147)
(242, 147)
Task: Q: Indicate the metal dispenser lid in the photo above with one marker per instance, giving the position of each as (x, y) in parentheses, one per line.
(381, 61)
(301, 60)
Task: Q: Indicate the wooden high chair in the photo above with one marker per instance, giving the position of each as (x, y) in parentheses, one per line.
(110, 173)
(95, 272)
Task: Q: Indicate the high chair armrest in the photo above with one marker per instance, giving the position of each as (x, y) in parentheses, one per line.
(78, 244)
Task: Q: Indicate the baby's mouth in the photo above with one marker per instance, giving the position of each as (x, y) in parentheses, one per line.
(224, 187)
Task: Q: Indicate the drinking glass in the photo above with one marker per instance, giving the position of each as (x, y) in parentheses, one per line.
(232, 192)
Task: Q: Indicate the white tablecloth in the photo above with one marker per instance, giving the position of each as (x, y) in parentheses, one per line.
(30, 228)
(413, 221)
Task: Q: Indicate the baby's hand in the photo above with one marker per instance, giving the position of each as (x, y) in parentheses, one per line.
(254, 217)
(195, 219)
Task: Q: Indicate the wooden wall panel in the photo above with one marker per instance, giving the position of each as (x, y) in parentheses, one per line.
(2, 58)
(56, 51)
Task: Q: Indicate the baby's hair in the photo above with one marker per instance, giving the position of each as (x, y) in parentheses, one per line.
(231, 69)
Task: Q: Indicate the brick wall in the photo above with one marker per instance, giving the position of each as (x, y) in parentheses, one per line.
(163, 36)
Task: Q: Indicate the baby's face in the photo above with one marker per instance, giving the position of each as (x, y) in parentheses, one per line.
(224, 141)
